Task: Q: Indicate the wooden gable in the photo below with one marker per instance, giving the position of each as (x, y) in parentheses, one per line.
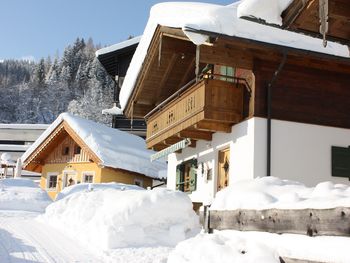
(303, 16)
(51, 150)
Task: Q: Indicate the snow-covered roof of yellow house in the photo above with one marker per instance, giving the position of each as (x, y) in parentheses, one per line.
(108, 147)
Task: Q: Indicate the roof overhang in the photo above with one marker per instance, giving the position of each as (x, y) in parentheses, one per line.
(170, 62)
(109, 56)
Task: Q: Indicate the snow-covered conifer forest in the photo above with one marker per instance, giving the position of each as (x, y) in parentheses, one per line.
(37, 92)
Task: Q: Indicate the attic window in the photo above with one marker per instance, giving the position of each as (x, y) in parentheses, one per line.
(77, 149)
(65, 150)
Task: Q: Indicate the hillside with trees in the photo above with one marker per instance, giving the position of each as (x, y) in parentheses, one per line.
(37, 92)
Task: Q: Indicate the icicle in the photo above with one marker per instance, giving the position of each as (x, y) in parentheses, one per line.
(323, 16)
(197, 62)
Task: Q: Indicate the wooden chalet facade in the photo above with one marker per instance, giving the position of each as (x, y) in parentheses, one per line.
(250, 108)
(64, 158)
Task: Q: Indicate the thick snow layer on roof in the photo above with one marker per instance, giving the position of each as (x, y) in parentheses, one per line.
(118, 46)
(22, 194)
(217, 19)
(111, 218)
(272, 192)
(113, 111)
(115, 148)
(268, 10)
(77, 188)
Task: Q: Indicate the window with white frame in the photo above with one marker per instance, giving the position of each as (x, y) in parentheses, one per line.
(88, 177)
(52, 180)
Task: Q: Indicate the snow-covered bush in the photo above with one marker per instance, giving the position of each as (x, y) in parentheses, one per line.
(22, 194)
(112, 218)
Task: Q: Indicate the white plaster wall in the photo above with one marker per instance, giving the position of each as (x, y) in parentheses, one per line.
(241, 143)
(300, 152)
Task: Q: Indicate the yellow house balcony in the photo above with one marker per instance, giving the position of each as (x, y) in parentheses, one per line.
(196, 111)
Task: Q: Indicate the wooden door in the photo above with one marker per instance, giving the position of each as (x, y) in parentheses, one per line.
(224, 168)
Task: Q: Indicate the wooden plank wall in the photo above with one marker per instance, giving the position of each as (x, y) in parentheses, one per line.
(56, 155)
(303, 94)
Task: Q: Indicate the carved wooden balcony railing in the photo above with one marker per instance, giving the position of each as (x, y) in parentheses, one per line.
(196, 111)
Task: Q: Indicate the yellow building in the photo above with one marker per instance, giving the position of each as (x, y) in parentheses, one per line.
(74, 150)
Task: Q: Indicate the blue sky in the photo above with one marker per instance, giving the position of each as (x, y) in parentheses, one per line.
(38, 28)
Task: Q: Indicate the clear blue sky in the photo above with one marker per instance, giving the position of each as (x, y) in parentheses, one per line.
(38, 28)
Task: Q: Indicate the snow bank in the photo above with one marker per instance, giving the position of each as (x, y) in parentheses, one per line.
(115, 219)
(217, 247)
(95, 187)
(22, 194)
(268, 10)
(272, 192)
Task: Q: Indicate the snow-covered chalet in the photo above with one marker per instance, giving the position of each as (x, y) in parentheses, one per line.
(74, 150)
(226, 99)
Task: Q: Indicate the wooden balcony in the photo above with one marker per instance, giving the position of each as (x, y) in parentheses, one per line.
(196, 112)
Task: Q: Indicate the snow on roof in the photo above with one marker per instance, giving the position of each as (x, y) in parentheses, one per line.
(268, 10)
(118, 46)
(115, 148)
(24, 126)
(217, 19)
(113, 111)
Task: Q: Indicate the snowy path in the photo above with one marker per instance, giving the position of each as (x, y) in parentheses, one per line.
(24, 239)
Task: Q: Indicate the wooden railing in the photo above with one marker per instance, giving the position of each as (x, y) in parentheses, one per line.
(209, 100)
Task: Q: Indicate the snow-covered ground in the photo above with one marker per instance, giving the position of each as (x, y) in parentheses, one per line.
(121, 223)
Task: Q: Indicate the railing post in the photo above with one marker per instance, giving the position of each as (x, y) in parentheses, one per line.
(206, 221)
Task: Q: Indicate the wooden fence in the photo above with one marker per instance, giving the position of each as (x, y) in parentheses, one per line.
(311, 222)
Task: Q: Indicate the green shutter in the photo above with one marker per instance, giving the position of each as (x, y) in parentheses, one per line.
(193, 176)
(340, 161)
(180, 177)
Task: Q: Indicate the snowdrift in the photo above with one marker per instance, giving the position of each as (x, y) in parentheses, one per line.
(222, 248)
(22, 194)
(272, 192)
(95, 187)
(110, 218)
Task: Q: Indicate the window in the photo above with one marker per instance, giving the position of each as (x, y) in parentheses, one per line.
(77, 149)
(227, 71)
(65, 150)
(138, 182)
(52, 181)
(186, 176)
(341, 161)
(88, 177)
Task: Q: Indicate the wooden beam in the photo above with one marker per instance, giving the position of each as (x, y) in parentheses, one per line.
(167, 72)
(311, 222)
(189, 71)
(197, 135)
(213, 127)
(226, 55)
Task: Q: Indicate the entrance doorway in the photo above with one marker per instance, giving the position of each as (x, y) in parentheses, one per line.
(224, 168)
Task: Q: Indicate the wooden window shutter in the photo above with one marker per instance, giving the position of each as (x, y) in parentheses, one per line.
(341, 162)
